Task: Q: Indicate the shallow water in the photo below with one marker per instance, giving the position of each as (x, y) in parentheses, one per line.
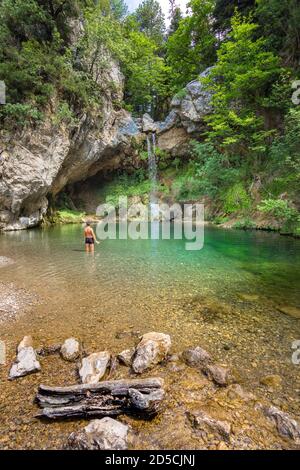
(198, 297)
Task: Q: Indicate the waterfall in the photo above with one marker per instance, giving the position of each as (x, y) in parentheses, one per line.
(152, 171)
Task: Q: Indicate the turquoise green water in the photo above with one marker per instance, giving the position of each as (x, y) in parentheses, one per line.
(230, 262)
(225, 298)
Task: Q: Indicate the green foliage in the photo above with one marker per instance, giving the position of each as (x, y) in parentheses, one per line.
(220, 219)
(236, 199)
(128, 186)
(279, 22)
(150, 20)
(146, 73)
(67, 216)
(279, 208)
(64, 115)
(244, 224)
(240, 82)
(213, 169)
(191, 48)
(282, 210)
(19, 114)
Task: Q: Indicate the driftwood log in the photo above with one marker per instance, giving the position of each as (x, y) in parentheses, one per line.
(140, 397)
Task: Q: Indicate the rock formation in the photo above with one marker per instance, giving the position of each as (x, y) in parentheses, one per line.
(37, 163)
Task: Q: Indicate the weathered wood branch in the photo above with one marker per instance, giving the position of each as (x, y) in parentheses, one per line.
(111, 398)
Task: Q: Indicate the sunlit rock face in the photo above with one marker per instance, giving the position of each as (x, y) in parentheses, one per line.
(38, 163)
(185, 119)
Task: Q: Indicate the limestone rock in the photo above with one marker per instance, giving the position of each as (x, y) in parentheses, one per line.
(71, 349)
(286, 426)
(196, 357)
(220, 375)
(26, 361)
(205, 424)
(100, 434)
(152, 349)
(148, 124)
(93, 367)
(125, 357)
(26, 342)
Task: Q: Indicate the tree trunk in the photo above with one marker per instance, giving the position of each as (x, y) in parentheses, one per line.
(140, 397)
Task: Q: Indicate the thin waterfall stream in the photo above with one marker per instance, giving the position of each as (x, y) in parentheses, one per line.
(152, 171)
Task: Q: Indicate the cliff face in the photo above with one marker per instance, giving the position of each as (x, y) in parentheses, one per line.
(38, 163)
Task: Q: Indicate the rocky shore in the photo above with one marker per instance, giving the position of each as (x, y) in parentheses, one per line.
(199, 401)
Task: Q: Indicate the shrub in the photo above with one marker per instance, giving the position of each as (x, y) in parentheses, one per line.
(245, 224)
(236, 199)
(281, 209)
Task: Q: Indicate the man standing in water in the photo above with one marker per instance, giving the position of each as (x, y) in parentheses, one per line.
(90, 238)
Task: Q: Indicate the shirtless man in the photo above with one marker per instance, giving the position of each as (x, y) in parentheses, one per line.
(90, 238)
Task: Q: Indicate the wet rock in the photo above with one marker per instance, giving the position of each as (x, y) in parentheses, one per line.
(26, 361)
(152, 349)
(235, 391)
(220, 375)
(289, 310)
(249, 297)
(271, 381)
(93, 367)
(4, 261)
(196, 357)
(71, 349)
(100, 434)
(49, 350)
(207, 425)
(286, 426)
(125, 357)
(126, 334)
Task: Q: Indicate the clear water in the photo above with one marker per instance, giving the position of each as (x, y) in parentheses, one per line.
(156, 285)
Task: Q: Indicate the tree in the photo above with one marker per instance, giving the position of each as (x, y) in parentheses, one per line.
(241, 82)
(151, 20)
(191, 48)
(119, 8)
(279, 22)
(147, 76)
(175, 17)
(225, 9)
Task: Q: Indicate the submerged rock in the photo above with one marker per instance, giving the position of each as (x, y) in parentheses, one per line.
(4, 261)
(93, 367)
(71, 349)
(125, 357)
(49, 350)
(100, 434)
(151, 350)
(196, 357)
(220, 375)
(271, 381)
(286, 426)
(249, 297)
(205, 424)
(26, 361)
(289, 310)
